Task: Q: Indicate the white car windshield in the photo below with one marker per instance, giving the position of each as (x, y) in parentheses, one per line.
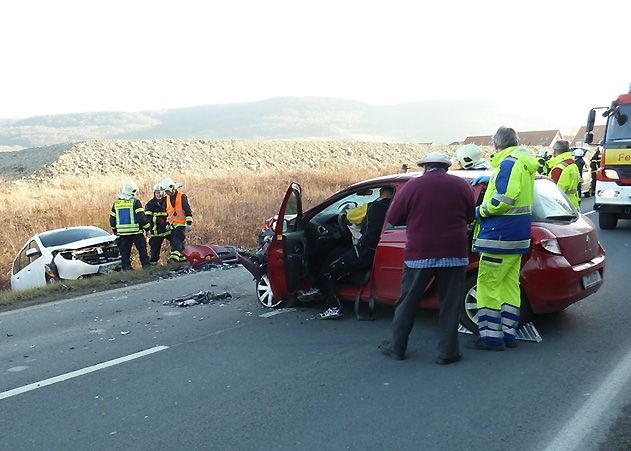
(61, 237)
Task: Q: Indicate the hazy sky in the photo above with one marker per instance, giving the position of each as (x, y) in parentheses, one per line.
(67, 56)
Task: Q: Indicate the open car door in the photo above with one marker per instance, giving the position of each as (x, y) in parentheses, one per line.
(286, 255)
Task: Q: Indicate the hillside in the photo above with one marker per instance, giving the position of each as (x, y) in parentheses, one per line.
(159, 158)
(280, 118)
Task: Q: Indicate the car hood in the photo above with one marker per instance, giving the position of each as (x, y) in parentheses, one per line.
(84, 243)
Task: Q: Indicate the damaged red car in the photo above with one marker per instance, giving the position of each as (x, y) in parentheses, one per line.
(564, 265)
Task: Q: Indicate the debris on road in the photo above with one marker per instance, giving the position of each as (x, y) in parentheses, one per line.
(125, 332)
(202, 297)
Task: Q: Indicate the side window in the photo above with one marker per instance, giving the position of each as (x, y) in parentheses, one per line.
(33, 245)
(20, 261)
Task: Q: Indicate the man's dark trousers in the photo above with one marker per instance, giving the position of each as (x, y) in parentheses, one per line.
(124, 245)
(155, 245)
(450, 283)
(340, 262)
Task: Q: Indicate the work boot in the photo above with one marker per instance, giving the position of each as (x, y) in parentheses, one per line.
(484, 346)
(385, 348)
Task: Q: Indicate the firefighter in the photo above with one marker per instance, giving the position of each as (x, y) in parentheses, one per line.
(156, 212)
(180, 218)
(128, 221)
(564, 171)
(470, 157)
(502, 235)
(594, 164)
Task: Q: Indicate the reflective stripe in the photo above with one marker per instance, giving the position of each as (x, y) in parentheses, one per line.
(491, 333)
(504, 198)
(499, 244)
(519, 211)
(509, 331)
(509, 322)
(489, 325)
(510, 309)
(485, 209)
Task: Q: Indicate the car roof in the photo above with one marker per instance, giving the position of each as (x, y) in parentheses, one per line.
(404, 177)
(50, 232)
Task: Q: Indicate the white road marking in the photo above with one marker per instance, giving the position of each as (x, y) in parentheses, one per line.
(277, 312)
(588, 418)
(590, 212)
(81, 372)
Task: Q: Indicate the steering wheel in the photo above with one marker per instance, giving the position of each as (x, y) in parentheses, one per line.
(342, 210)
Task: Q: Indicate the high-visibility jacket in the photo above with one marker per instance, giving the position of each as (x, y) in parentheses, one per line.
(157, 217)
(127, 216)
(504, 217)
(179, 210)
(566, 175)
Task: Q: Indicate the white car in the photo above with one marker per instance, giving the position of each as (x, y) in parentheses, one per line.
(69, 253)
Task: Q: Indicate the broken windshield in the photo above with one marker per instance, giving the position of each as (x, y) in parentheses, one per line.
(62, 237)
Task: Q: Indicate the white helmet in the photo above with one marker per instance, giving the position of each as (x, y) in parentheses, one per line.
(543, 152)
(468, 156)
(167, 184)
(157, 187)
(129, 188)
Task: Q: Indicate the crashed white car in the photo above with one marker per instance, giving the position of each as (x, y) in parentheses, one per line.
(69, 253)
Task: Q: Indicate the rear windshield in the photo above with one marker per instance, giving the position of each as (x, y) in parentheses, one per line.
(551, 204)
(61, 237)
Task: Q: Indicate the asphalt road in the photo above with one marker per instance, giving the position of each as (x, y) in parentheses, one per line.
(119, 370)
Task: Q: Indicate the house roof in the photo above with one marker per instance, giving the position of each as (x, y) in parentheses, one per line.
(599, 134)
(531, 138)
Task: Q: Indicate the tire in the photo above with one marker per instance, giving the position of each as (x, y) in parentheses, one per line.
(607, 221)
(469, 309)
(264, 293)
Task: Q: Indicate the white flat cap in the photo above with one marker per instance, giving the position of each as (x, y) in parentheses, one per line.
(435, 157)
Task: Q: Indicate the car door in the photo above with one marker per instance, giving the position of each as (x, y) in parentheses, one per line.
(287, 262)
(28, 268)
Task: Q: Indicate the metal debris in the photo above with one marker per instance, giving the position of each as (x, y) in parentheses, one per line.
(202, 297)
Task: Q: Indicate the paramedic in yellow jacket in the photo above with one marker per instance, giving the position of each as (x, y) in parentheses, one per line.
(503, 235)
(180, 218)
(565, 172)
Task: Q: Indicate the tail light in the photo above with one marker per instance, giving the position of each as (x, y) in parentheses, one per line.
(544, 239)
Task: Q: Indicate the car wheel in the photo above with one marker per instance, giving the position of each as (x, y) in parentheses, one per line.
(607, 221)
(264, 293)
(469, 311)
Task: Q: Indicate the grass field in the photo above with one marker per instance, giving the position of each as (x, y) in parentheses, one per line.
(227, 209)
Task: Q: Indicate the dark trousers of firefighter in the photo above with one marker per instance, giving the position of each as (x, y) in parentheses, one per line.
(124, 245)
(177, 244)
(450, 283)
(337, 264)
(155, 244)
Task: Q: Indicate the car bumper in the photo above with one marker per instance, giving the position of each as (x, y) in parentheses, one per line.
(73, 269)
(553, 284)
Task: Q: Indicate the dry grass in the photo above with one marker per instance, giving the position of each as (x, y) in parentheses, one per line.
(228, 208)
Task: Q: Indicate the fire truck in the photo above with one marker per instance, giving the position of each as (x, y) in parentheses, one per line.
(613, 179)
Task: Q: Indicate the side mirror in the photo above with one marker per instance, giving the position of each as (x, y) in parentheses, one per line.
(589, 138)
(33, 253)
(591, 119)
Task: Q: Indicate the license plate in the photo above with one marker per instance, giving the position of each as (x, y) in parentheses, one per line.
(591, 279)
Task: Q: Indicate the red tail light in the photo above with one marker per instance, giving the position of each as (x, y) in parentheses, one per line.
(544, 239)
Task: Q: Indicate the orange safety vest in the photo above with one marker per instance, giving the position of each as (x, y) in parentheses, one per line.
(176, 213)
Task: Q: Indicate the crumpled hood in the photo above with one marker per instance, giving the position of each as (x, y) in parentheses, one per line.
(523, 155)
(84, 243)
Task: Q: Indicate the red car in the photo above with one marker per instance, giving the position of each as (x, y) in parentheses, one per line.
(565, 263)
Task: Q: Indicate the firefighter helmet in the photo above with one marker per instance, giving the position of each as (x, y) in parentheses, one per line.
(167, 184)
(468, 156)
(130, 188)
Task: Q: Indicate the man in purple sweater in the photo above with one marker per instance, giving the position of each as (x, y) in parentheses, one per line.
(436, 208)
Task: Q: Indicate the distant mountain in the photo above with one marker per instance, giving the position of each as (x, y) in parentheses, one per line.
(278, 118)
